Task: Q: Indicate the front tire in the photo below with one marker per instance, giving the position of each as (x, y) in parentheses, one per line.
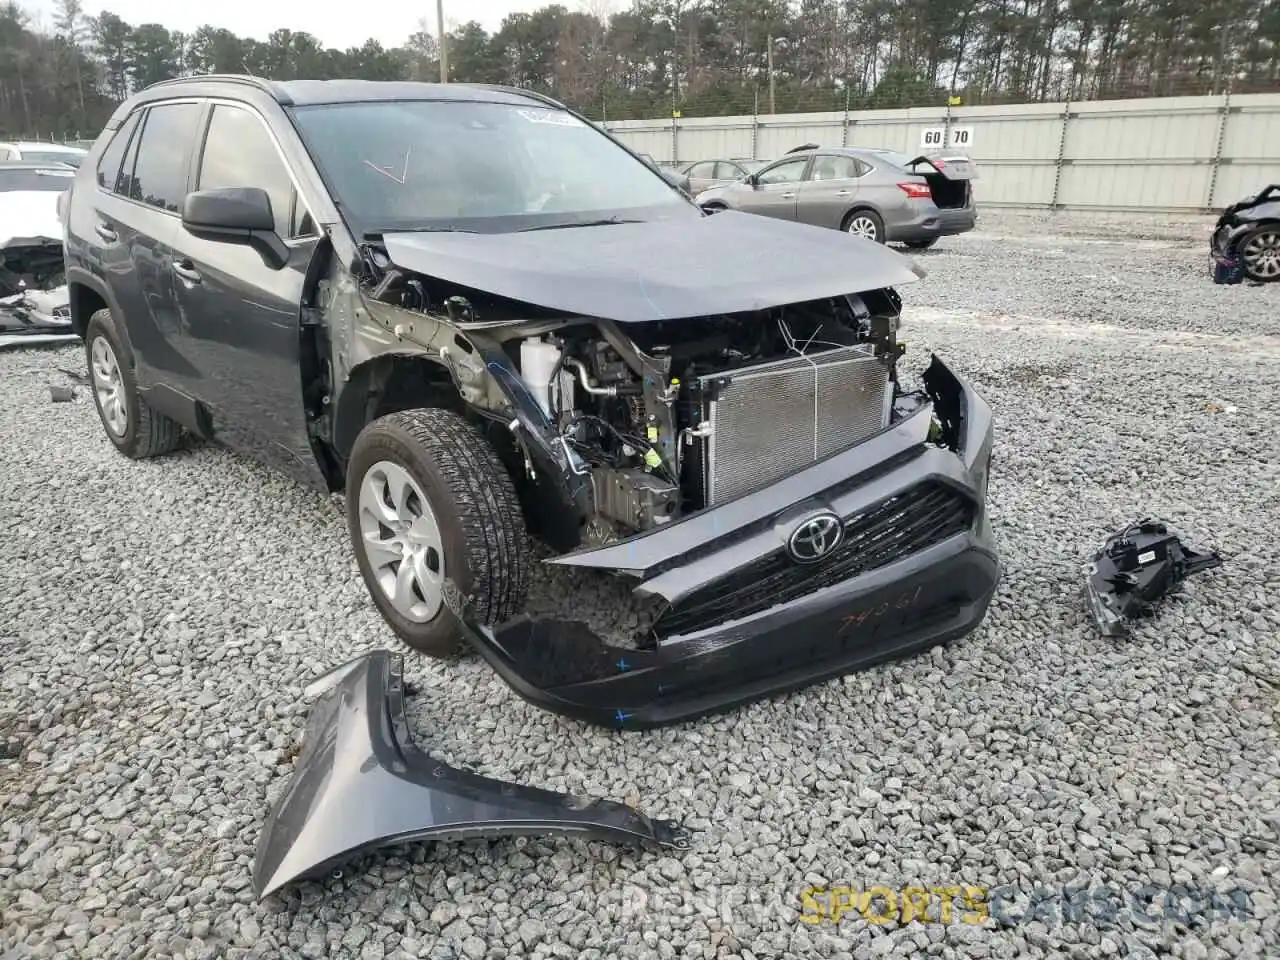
(428, 504)
(134, 428)
(866, 224)
(1260, 253)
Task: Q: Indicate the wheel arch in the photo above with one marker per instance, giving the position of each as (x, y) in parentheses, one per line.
(388, 383)
(86, 295)
(858, 207)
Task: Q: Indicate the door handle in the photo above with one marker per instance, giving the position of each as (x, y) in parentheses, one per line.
(186, 271)
(843, 193)
(106, 233)
(788, 196)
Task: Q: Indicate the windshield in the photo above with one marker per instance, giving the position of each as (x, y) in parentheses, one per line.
(53, 180)
(50, 156)
(486, 167)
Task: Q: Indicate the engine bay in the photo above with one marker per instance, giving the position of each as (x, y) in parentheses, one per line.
(633, 408)
(671, 416)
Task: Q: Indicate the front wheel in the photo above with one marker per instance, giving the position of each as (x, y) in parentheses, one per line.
(866, 224)
(431, 509)
(1260, 253)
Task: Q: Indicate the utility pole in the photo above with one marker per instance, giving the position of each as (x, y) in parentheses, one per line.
(444, 43)
(772, 98)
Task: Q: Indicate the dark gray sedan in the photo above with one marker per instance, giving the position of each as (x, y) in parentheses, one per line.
(882, 195)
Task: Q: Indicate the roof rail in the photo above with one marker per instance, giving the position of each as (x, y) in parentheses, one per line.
(261, 83)
(518, 91)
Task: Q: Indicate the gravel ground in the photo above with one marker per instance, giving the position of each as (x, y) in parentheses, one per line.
(159, 620)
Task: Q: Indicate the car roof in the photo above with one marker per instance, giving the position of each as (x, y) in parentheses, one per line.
(839, 151)
(318, 92)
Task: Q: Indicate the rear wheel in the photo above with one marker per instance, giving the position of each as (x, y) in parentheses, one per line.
(921, 244)
(866, 224)
(135, 429)
(1260, 253)
(430, 508)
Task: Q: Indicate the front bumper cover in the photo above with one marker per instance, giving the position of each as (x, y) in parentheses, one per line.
(35, 317)
(850, 613)
(360, 783)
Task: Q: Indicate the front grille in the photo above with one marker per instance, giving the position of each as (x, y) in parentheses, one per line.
(770, 420)
(890, 530)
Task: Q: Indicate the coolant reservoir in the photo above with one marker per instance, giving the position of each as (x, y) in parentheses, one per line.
(538, 361)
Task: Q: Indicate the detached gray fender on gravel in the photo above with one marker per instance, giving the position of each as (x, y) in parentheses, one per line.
(360, 783)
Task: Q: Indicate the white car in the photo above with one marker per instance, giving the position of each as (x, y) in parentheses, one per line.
(34, 151)
(33, 291)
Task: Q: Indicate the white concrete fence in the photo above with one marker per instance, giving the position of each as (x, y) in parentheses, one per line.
(1172, 154)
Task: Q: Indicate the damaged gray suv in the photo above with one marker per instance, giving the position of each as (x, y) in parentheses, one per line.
(487, 321)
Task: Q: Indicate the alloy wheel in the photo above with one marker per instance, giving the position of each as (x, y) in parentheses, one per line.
(401, 540)
(1261, 254)
(109, 387)
(862, 226)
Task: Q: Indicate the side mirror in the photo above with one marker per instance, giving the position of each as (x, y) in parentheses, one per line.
(751, 181)
(236, 215)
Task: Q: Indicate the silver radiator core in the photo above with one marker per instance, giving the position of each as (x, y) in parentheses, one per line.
(773, 419)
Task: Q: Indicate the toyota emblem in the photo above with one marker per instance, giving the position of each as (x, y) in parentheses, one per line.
(815, 538)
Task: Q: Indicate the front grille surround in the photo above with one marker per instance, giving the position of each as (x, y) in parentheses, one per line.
(894, 528)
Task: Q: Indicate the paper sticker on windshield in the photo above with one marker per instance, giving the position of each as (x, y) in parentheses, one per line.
(553, 117)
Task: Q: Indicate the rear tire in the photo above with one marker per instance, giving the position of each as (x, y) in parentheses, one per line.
(133, 428)
(864, 223)
(1260, 253)
(429, 503)
(920, 244)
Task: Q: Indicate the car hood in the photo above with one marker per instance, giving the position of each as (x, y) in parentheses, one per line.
(728, 262)
(1261, 206)
(29, 217)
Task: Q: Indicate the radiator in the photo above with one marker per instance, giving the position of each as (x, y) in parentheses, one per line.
(770, 420)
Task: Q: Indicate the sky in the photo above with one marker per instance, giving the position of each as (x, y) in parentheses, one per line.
(335, 24)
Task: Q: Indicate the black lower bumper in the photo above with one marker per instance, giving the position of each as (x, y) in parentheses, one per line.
(360, 783)
(916, 567)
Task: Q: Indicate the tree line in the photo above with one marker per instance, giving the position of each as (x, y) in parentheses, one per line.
(694, 57)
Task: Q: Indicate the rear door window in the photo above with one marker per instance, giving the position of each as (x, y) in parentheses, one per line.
(835, 168)
(160, 171)
(108, 171)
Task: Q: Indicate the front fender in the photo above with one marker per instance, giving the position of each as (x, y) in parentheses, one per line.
(360, 783)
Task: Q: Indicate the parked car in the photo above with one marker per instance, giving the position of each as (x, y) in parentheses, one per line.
(482, 317)
(33, 297)
(1246, 239)
(35, 151)
(669, 172)
(703, 174)
(881, 195)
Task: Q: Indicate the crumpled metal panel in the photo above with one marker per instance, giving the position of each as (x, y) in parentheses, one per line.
(360, 783)
(686, 266)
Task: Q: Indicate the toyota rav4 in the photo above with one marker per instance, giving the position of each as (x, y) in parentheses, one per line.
(488, 322)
